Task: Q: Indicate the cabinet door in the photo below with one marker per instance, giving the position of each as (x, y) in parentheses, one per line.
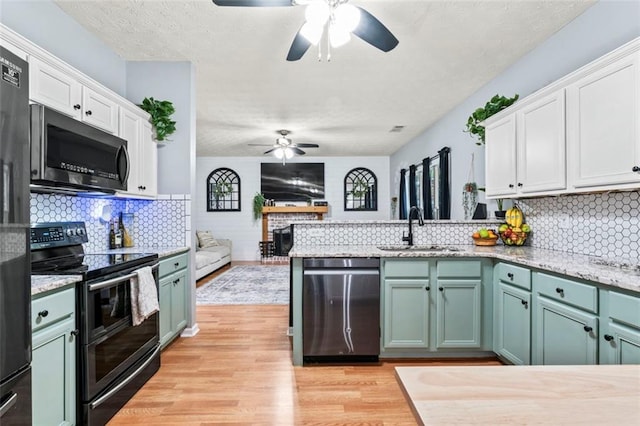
(564, 335)
(148, 165)
(513, 324)
(620, 345)
(53, 375)
(603, 117)
(500, 157)
(51, 87)
(541, 145)
(458, 309)
(99, 111)
(164, 299)
(131, 130)
(178, 302)
(406, 314)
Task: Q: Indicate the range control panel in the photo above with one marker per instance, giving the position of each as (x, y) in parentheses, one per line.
(57, 234)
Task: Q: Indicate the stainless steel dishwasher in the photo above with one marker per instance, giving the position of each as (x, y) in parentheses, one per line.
(341, 309)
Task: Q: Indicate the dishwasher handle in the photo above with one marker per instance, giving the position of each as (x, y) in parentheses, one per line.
(342, 272)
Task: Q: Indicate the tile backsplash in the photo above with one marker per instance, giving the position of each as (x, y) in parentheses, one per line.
(156, 223)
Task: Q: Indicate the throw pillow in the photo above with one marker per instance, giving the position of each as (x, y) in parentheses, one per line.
(205, 239)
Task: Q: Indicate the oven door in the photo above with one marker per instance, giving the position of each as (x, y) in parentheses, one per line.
(110, 342)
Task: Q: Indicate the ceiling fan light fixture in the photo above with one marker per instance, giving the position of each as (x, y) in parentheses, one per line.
(347, 16)
(317, 13)
(312, 32)
(338, 35)
(278, 153)
(288, 152)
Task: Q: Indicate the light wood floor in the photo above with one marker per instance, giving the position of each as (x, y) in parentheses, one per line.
(238, 371)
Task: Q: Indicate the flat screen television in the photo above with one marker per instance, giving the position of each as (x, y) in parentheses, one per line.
(292, 181)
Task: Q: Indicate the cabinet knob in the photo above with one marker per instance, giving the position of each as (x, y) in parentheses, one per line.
(519, 184)
(524, 303)
(176, 281)
(43, 313)
(441, 288)
(175, 265)
(636, 169)
(510, 275)
(560, 291)
(588, 329)
(76, 106)
(510, 185)
(608, 337)
(88, 112)
(75, 332)
(427, 288)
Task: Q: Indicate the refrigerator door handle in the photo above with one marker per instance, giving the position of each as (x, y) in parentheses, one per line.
(6, 193)
(9, 404)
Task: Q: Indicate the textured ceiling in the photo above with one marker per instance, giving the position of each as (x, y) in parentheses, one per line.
(246, 90)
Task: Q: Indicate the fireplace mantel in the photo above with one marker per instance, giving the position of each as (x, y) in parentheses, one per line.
(266, 210)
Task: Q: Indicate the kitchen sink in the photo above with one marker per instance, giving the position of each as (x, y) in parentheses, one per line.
(407, 248)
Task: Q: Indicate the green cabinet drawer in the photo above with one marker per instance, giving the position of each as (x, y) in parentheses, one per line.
(583, 296)
(172, 264)
(52, 308)
(624, 308)
(406, 268)
(459, 268)
(514, 275)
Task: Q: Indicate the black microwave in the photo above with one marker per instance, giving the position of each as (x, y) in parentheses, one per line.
(67, 154)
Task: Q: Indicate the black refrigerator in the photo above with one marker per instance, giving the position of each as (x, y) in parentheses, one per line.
(15, 262)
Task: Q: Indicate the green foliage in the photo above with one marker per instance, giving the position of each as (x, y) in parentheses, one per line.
(222, 189)
(495, 105)
(160, 112)
(258, 202)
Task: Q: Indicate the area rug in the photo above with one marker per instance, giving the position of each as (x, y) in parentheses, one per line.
(247, 285)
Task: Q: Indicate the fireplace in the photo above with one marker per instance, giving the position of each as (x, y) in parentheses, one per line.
(283, 240)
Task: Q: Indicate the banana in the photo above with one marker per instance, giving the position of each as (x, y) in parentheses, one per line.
(517, 218)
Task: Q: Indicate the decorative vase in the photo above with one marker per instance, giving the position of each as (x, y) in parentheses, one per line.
(500, 214)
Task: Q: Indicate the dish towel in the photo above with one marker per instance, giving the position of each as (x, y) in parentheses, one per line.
(144, 295)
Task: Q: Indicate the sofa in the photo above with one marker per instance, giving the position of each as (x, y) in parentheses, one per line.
(211, 256)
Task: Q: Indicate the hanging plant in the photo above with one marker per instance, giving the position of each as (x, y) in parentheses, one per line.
(258, 203)
(160, 112)
(495, 105)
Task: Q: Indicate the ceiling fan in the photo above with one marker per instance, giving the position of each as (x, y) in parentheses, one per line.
(340, 19)
(284, 148)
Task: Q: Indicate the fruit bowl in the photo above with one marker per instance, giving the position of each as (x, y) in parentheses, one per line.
(513, 238)
(487, 241)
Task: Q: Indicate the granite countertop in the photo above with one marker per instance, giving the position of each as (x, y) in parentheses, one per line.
(499, 395)
(162, 251)
(614, 273)
(45, 283)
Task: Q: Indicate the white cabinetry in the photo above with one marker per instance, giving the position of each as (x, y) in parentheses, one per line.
(603, 130)
(500, 157)
(136, 130)
(60, 90)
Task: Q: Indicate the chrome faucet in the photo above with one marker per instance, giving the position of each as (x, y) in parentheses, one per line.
(409, 238)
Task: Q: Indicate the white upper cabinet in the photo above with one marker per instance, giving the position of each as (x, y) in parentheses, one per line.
(54, 88)
(99, 111)
(603, 129)
(580, 133)
(136, 130)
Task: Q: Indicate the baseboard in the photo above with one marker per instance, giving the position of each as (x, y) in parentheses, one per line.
(190, 331)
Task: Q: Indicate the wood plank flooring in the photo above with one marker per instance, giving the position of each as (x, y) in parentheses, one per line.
(238, 371)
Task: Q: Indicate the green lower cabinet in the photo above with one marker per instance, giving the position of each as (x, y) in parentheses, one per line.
(621, 345)
(406, 314)
(173, 306)
(564, 335)
(513, 324)
(53, 363)
(458, 314)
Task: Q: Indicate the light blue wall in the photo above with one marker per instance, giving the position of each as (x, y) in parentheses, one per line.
(601, 28)
(45, 24)
(172, 81)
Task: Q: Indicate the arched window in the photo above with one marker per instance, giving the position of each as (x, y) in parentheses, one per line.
(223, 191)
(360, 190)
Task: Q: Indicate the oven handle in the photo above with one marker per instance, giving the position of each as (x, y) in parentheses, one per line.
(109, 283)
(10, 403)
(125, 382)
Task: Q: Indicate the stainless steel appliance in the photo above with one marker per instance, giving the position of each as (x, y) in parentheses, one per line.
(15, 281)
(341, 309)
(115, 357)
(69, 154)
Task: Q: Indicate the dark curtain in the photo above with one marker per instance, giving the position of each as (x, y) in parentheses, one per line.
(427, 209)
(413, 191)
(445, 190)
(403, 195)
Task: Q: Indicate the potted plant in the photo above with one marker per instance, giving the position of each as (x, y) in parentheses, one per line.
(495, 105)
(500, 213)
(221, 190)
(160, 112)
(258, 203)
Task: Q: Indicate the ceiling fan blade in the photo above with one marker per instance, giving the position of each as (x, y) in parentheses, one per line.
(298, 151)
(374, 32)
(270, 150)
(298, 48)
(259, 144)
(253, 3)
(307, 145)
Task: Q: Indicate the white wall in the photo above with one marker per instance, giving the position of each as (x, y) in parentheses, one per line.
(45, 24)
(240, 227)
(603, 27)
